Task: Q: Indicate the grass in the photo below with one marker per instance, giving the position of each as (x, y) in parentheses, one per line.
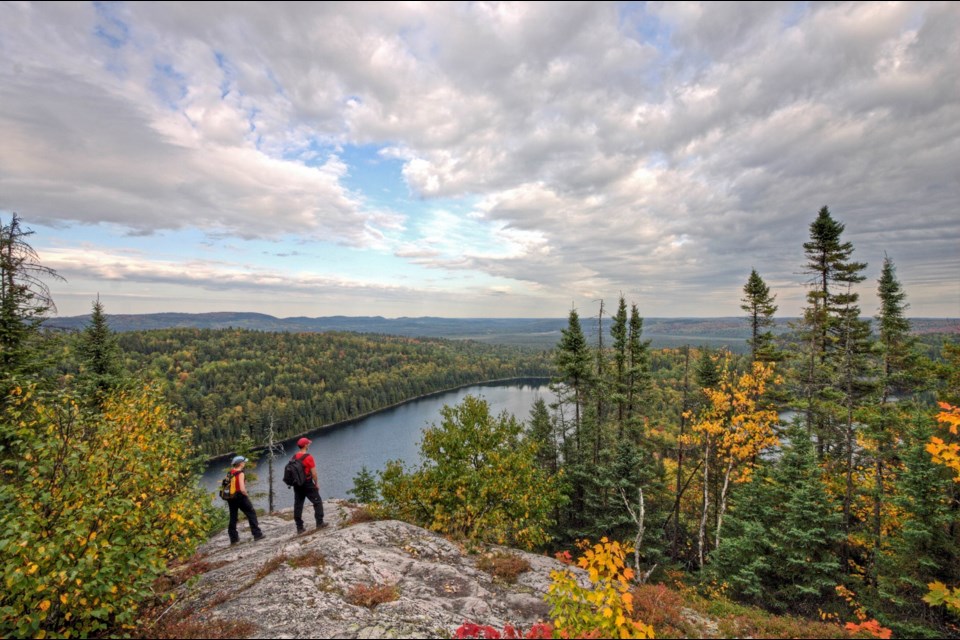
(369, 596)
(505, 566)
(680, 613)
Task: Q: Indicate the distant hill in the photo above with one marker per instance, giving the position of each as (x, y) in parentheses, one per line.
(532, 332)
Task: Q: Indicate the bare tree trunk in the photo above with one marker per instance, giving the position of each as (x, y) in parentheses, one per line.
(706, 503)
(683, 423)
(638, 519)
(723, 502)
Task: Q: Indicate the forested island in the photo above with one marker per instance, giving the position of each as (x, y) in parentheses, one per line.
(672, 473)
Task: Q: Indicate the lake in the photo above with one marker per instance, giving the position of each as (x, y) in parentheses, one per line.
(393, 434)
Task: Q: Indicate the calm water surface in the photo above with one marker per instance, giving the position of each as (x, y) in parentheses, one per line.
(393, 434)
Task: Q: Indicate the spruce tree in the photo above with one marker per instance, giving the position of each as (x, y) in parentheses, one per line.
(573, 364)
(101, 369)
(638, 369)
(620, 357)
(806, 536)
(760, 307)
(925, 548)
(24, 299)
(900, 374)
(833, 330)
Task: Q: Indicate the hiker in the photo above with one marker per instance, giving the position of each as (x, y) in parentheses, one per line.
(240, 501)
(310, 490)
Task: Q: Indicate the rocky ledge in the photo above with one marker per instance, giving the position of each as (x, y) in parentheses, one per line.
(290, 586)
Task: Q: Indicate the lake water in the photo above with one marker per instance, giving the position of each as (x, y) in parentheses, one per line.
(393, 434)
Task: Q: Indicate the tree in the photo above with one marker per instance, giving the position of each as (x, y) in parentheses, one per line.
(479, 480)
(620, 357)
(100, 366)
(780, 540)
(760, 307)
(734, 431)
(830, 326)
(900, 373)
(573, 363)
(24, 298)
(101, 500)
(638, 370)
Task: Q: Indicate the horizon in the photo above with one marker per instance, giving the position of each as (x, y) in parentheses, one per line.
(353, 159)
(564, 318)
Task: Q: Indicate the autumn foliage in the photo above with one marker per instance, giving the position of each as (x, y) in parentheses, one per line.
(101, 500)
(603, 610)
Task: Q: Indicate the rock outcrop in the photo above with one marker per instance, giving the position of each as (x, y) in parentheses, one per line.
(291, 586)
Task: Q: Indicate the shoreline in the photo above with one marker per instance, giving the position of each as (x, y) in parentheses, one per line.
(332, 425)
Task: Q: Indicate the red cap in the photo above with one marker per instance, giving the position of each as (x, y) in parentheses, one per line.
(302, 442)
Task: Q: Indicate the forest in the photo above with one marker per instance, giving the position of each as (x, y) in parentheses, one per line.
(230, 382)
(815, 476)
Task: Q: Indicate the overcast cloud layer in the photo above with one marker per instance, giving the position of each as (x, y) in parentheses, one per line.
(477, 159)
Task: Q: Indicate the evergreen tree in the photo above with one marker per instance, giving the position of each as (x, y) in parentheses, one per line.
(805, 537)
(364, 486)
(573, 363)
(780, 538)
(620, 356)
(760, 307)
(24, 299)
(638, 371)
(100, 358)
(833, 331)
(923, 549)
(900, 373)
(543, 433)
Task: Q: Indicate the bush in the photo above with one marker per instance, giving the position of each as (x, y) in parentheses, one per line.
(95, 502)
(506, 566)
(479, 480)
(370, 596)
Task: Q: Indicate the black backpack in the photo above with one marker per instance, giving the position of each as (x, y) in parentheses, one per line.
(225, 486)
(294, 475)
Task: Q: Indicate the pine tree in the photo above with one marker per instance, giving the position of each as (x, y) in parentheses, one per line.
(101, 369)
(832, 328)
(638, 369)
(620, 356)
(900, 373)
(573, 364)
(781, 536)
(24, 299)
(807, 532)
(923, 549)
(543, 433)
(760, 307)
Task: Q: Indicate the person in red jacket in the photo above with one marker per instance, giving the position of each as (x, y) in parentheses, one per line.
(310, 491)
(240, 501)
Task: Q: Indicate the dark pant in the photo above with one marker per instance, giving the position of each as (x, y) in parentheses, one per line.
(311, 493)
(242, 503)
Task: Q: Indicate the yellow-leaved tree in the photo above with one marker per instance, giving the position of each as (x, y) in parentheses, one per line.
(947, 453)
(733, 428)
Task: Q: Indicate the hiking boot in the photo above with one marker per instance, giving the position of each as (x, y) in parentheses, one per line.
(259, 537)
(322, 525)
(300, 530)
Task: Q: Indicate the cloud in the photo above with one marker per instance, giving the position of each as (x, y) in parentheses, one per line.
(602, 146)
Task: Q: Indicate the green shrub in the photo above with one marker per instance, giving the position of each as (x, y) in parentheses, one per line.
(94, 502)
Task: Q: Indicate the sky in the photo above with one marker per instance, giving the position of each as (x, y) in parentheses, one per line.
(478, 159)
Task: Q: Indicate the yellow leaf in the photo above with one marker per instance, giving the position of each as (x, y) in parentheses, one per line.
(44, 605)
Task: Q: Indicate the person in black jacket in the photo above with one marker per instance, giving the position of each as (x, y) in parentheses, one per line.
(240, 501)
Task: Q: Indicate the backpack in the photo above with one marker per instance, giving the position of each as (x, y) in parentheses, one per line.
(294, 475)
(226, 485)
